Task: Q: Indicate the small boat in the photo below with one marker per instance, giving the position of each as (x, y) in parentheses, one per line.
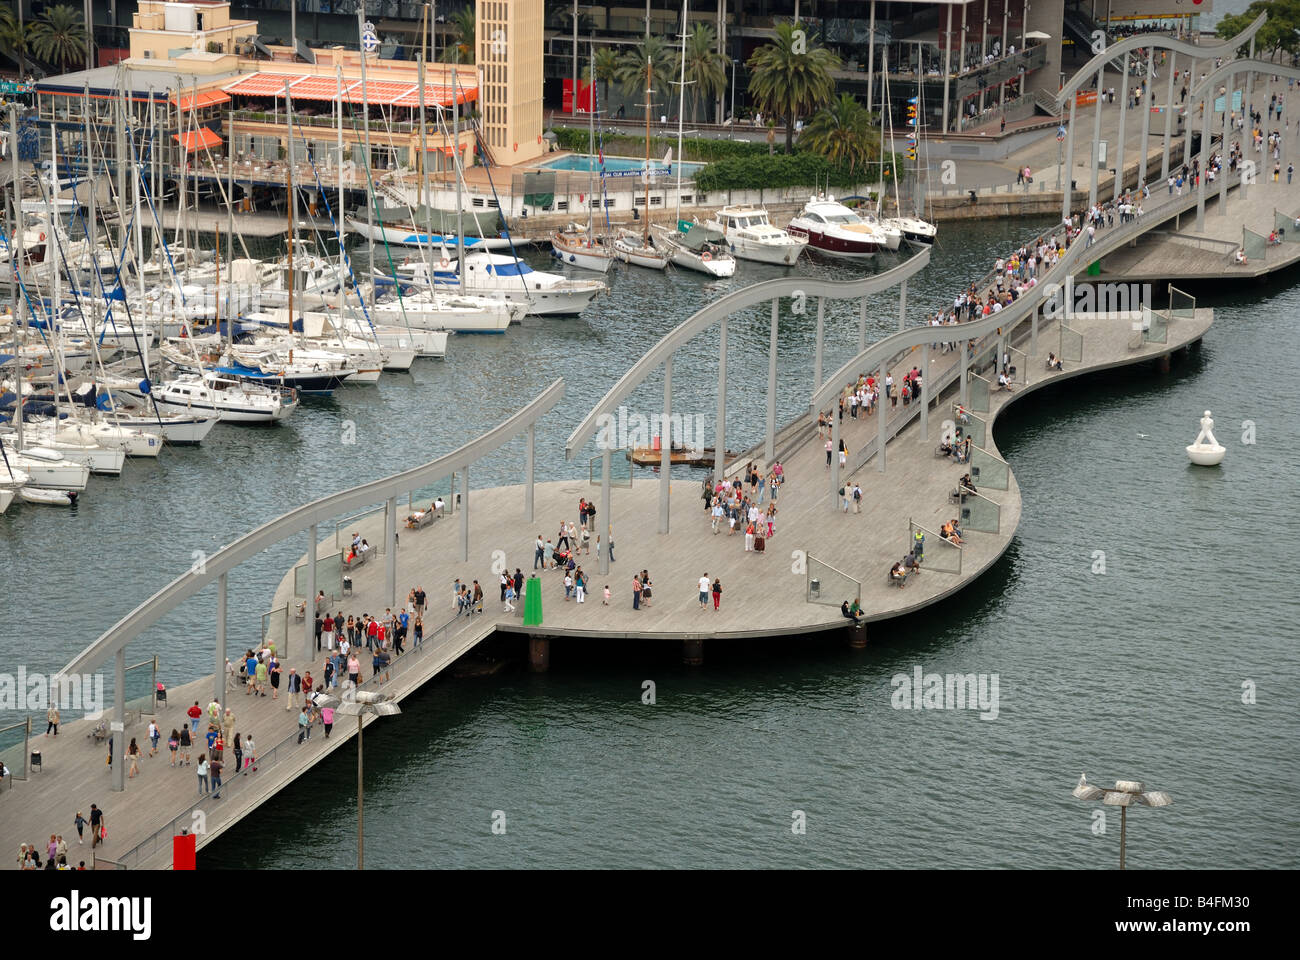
(49, 498)
(679, 456)
(639, 251)
(229, 399)
(750, 235)
(914, 229)
(47, 468)
(700, 248)
(7, 495)
(579, 247)
(73, 447)
(406, 235)
(833, 228)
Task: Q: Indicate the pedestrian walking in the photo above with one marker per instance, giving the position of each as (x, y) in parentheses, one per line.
(185, 745)
(173, 744)
(214, 770)
(238, 749)
(717, 593)
(80, 823)
(154, 735)
(52, 720)
(202, 771)
(98, 826)
(327, 720)
(133, 757)
(195, 713)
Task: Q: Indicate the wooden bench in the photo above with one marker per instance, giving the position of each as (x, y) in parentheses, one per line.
(422, 520)
(356, 561)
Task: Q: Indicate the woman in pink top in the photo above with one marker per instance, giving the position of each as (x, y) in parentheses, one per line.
(327, 719)
(354, 669)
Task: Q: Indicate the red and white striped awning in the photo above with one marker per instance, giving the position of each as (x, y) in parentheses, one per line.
(388, 93)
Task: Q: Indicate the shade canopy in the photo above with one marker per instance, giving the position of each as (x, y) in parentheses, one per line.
(1037, 35)
(387, 93)
(200, 139)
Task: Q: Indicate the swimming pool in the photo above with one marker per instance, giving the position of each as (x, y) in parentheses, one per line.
(619, 166)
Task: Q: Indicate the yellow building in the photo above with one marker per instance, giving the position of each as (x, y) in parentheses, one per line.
(508, 34)
(164, 31)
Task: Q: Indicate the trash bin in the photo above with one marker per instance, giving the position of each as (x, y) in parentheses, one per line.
(347, 586)
(814, 588)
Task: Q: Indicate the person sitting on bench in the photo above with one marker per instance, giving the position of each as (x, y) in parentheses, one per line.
(1054, 362)
(966, 485)
(949, 532)
(848, 613)
(1004, 381)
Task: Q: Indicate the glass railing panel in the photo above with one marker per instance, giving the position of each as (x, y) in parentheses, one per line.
(989, 470)
(620, 469)
(967, 424)
(329, 576)
(13, 750)
(829, 586)
(1255, 245)
(1288, 228)
(937, 554)
(1182, 304)
(1155, 326)
(979, 513)
(141, 679)
(978, 393)
(275, 628)
(1071, 345)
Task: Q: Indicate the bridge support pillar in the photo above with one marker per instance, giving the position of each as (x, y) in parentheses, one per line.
(1169, 116)
(836, 426)
(882, 422)
(464, 516)
(390, 550)
(925, 393)
(219, 677)
(769, 440)
(862, 325)
(902, 306)
(858, 636)
(693, 651)
(1223, 150)
(1119, 147)
(602, 543)
(1207, 108)
(1033, 335)
(309, 612)
(539, 654)
(117, 727)
(720, 428)
(1095, 146)
(1162, 363)
(1067, 164)
(1145, 105)
(821, 342)
(666, 447)
(530, 463)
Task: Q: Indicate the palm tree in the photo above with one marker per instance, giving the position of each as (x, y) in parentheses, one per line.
(604, 69)
(463, 50)
(791, 76)
(13, 37)
(843, 133)
(632, 65)
(59, 36)
(706, 69)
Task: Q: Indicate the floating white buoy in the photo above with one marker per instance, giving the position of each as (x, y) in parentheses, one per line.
(1206, 452)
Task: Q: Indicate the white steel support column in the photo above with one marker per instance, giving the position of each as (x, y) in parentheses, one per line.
(1224, 147)
(1095, 148)
(836, 480)
(1123, 117)
(309, 611)
(821, 341)
(118, 723)
(862, 325)
(947, 73)
(882, 421)
(769, 442)
(925, 392)
(219, 676)
(1145, 104)
(530, 470)
(1169, 116)
(1207, 109)
(390, 550)
(605, 461)
(902, 307)
(665, 448)
(1067, 164)
(464, 516)
(720, 428)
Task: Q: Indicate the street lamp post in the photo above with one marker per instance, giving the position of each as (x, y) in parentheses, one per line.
(1124, 795)
(360, 703)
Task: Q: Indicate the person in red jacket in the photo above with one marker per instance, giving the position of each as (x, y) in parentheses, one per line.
(194, 713)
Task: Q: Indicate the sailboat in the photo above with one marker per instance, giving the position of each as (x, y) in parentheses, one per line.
(628, 247)
(912, 229)
(573, 244)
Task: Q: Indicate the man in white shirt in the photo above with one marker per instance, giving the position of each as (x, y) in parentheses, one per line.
(704, 591)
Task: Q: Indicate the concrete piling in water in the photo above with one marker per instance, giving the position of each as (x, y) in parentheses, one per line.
(693, 651)
(539, 654)
(858, 636)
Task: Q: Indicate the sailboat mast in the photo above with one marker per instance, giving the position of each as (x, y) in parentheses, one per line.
(290, 206)
(16, 251)
(591, 144)
(460, 174)
(681, 108)
(649, 77)
(365, 127)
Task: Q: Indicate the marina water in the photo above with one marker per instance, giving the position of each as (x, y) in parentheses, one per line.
(1136, 672)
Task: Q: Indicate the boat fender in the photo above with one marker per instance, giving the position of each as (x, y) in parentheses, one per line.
(42, 238)
(572, 258)
(706, 256)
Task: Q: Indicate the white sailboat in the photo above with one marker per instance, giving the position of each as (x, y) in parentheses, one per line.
(574, 245)
(46, 468)
(640, 251)
(229, 399)
(700, 248)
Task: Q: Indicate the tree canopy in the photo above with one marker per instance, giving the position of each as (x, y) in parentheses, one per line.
(791, 76)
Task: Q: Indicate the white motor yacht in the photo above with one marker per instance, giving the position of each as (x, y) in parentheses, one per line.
(750, 235)
(833, 228)
(228, 398)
